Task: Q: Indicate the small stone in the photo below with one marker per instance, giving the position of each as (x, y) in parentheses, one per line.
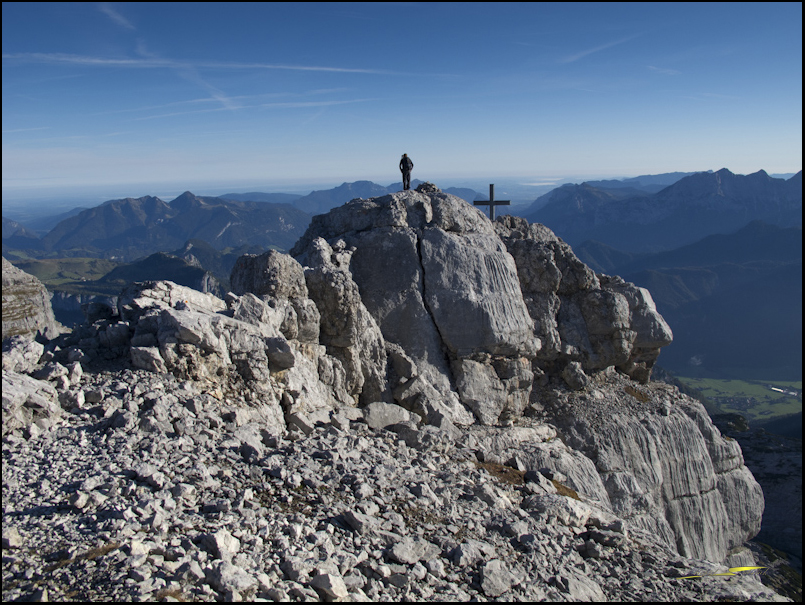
(221, 544)
(139, 574)
(436, 568)
(11, 537)
(360, 522)
(225, 577)
(379, 415)
(412, 550)
(93, 395)
(400, 580)
(496, 579)
(330, 586)
(418, 572)
(79, 500)
(191, 571)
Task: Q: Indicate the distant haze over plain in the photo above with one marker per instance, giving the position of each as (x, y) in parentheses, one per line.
(30, 203)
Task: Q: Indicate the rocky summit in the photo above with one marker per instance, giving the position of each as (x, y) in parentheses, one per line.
(415, 404)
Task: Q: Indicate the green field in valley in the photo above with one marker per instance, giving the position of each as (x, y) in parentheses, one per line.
(752, 399)
(60, 271)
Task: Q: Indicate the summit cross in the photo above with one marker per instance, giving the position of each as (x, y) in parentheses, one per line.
(492, 202)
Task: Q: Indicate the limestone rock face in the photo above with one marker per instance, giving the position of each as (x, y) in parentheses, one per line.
(439, 282)
(659, 462)
(26, 305)
(348, 330)
(596, 320)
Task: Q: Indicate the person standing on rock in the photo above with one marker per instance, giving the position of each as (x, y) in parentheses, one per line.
(406, 166)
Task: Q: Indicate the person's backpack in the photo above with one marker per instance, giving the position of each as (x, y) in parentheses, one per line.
(408, 164)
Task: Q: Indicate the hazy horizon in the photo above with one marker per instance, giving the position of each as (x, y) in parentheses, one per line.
(29, 204)
(96, 95)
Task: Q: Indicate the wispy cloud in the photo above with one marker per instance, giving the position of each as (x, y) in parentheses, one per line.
(664, 71)
(580, 55)
(241, 101)
(285, 105)
(315, 103)
(189, 72)
(14, 130)
(107, 9)
(711, 96)
(196, 73)
(155, 62)
(83, 60)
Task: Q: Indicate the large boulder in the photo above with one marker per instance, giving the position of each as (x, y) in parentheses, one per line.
(279, 280)
(28, 402)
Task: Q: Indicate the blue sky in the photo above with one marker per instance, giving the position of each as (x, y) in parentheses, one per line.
(261, 95)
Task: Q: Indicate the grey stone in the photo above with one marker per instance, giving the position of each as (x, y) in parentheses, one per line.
(11, 537)
(581, 588)
(21, 353)
(412, 550)
(225, 577)
(330, 587)
(496, 578)
(148, 358)
(272, 274)
(470, 552)
(436, 567)
(574, 376)
(360, 522)
(379, 415)
(221, 544)
(26, 401)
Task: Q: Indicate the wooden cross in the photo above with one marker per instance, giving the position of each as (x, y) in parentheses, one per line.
(492, 202)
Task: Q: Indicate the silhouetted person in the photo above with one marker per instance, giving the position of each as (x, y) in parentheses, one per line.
(406, 166)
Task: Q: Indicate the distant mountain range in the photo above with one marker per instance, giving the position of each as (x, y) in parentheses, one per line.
(131, 228)
(690, 209)
(650, 183)
(640, 186)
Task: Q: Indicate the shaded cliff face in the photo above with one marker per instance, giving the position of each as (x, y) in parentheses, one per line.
(26, 305)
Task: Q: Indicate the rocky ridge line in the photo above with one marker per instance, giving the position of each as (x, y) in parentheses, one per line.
(472, 343)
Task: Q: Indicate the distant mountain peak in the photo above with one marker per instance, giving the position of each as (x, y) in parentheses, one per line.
(186, 201)
(695, 206)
